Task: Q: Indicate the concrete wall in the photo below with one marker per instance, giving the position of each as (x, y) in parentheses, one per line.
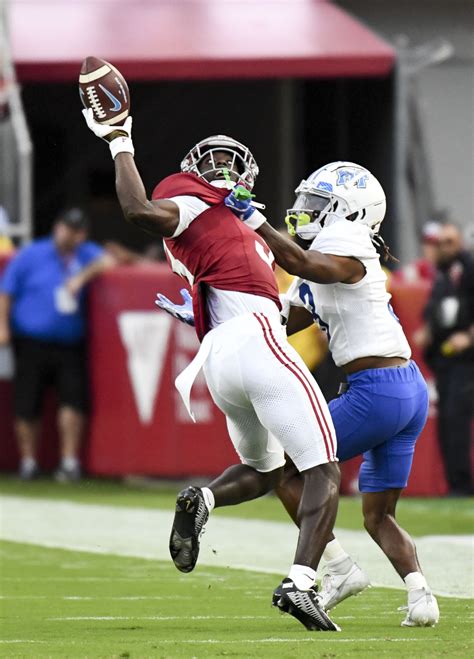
(446, 90)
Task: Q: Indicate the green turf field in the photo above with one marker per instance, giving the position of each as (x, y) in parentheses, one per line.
(71, 604)
(65, 603)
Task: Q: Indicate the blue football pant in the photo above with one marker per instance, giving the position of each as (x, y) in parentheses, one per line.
(381, 416)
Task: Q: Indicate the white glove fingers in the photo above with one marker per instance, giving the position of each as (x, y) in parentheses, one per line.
(186, 296)
(163, 301)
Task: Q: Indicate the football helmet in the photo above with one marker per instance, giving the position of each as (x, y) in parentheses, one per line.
(242, 163)
(338, 191)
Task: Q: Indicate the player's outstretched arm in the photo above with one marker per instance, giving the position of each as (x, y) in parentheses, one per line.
(311, 264)
(160, 218)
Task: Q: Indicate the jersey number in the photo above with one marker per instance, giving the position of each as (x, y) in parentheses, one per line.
(267, 257)
(307, 299)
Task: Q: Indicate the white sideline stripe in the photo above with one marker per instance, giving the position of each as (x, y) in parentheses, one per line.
(20, 640)
(165, 618)
(80, 598)
(331, 639)
(213, 641)
(143, 533)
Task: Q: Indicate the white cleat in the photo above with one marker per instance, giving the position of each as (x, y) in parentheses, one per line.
(422, 609)
(337, 587)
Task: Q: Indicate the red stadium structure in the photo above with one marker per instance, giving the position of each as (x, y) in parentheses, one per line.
(197, 39)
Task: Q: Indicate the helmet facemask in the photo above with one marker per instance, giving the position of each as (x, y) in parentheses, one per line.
(241, 167)
(310, 213)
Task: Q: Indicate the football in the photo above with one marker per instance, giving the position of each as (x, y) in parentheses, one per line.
(103, 88)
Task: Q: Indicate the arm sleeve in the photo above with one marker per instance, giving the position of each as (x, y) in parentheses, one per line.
(189, 208)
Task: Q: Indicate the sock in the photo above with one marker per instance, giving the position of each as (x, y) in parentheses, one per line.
(208, 498)
(302, 576)
(70, 463)
(415, 581)
(333, 551)
(28, 464)
(340, 565)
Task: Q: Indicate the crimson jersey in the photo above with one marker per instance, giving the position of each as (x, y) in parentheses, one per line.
(217, 249)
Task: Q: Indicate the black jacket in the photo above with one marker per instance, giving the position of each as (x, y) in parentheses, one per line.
(450, 307)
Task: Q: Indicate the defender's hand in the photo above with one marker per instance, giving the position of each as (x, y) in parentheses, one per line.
(183, 312)
(119, 138)
(245, 210)
(241, 207)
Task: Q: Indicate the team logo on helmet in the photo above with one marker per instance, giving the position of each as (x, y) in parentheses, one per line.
(344, 176)
(324, 185)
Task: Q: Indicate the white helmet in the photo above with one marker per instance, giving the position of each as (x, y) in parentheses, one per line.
(338, 191)
(243, 164)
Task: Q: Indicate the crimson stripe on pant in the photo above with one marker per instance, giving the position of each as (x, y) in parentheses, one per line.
(329, 438)
(297, 373)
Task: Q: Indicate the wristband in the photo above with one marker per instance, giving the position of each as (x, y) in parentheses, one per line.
(121, 145)
(256, 220)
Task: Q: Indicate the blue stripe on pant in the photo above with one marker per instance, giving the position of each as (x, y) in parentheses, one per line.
(381, 416)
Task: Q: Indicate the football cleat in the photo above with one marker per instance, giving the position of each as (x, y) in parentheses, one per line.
(190, 517)
(422, 609)
(337, 587)
(303, 605)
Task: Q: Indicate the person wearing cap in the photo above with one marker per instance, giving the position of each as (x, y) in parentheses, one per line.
(43, 315)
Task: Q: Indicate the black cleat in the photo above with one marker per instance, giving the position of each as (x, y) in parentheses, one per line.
(189, 520)
(304, 606)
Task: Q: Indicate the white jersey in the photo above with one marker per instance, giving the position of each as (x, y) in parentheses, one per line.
(221, 305)
(357, 318)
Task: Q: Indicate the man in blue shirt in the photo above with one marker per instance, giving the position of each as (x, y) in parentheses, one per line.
(42, 312)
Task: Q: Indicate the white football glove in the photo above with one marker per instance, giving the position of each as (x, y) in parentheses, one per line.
(183, 312)
(121, 142)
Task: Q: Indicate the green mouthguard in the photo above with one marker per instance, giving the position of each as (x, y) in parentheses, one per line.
(294, 221)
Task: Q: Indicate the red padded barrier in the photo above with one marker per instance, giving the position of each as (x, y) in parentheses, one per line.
(138, 423)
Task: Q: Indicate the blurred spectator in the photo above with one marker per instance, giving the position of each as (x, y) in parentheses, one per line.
(6, 245)
(42, 311)
(448, 342)
(424, 268)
